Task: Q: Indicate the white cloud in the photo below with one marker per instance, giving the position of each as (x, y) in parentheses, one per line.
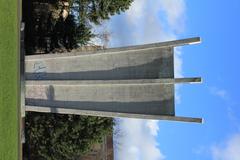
(230, 150)
(153, 127)
(201, 150)
(138, 140)
(178, 63)
(232, 107)
(178, 72)
(175, 12)
(146, 21)
(222, 93)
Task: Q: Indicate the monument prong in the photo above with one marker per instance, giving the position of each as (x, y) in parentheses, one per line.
(188, 80)
(167, 44)
(62, 110)
(174, 43)
(114, 82)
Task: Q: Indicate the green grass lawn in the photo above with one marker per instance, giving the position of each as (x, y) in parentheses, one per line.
(9, 81)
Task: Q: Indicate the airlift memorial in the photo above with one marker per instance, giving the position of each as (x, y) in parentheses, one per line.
(134, 82)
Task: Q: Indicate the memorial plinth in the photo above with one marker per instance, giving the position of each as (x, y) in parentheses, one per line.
(134, 82)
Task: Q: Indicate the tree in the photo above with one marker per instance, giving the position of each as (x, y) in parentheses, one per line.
(97, 10)
(57, 136)
(54, 136)
(65, 24)
(84, 34)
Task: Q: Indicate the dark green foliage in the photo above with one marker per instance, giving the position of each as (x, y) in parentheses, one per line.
(85, 33)
(97, 10)
(47, 31)
(67, 34)
(56, 136)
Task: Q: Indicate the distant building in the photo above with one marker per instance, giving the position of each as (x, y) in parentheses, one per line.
(102, 151)
(89, 48)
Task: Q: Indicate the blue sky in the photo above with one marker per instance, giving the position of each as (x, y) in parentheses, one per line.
(216, 60)
(217, 99)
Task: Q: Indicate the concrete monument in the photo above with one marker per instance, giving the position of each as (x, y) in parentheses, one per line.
(135, 82)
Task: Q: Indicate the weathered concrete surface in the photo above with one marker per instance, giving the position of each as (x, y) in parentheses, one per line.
(123, 65)
(133, 64)
(114, 82)
(111, 114)
(135, 82)
(154, 99)
(160, 45)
